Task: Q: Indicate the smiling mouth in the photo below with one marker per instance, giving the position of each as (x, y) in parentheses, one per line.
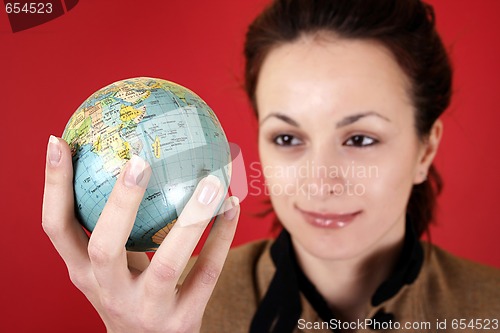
(328, 220)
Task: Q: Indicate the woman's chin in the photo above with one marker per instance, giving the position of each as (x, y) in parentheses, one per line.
(329, 247)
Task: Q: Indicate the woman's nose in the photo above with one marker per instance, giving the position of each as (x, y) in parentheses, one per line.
(324, 176)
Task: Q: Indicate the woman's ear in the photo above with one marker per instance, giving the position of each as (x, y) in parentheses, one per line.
(427, 151)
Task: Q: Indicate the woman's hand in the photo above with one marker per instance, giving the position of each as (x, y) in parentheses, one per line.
(130, 294)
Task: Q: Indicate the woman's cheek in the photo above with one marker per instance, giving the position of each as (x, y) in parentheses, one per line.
(280, 180)
(390, 188)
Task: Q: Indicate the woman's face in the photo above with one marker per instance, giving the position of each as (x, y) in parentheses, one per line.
(338, 144)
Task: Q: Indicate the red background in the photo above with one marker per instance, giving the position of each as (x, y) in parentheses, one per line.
(47, 71)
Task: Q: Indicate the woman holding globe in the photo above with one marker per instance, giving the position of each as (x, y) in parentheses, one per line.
(334, 83)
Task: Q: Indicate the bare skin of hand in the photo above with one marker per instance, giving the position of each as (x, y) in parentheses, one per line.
(130, 293)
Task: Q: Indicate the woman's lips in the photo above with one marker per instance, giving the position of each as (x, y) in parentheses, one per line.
(327, 220)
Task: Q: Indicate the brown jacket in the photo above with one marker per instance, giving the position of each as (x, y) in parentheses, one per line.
(448, 291)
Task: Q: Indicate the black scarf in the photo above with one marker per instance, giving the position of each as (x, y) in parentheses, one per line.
(280, 309)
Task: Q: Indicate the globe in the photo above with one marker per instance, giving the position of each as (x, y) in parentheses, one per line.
(164, 123)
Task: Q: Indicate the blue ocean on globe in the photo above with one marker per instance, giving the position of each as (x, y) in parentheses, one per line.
(166, 124)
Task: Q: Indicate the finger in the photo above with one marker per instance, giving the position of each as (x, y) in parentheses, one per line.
(171, 257)
(58, 217)
(200, 282)
(107, 242)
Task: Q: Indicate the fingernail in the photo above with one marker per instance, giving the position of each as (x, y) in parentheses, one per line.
(54, 151)
(134, 174)
(211, 185)
(231, 208)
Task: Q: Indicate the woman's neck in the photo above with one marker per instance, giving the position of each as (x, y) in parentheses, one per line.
(347, 285)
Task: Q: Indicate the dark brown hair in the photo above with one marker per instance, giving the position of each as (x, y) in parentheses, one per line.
(405, 27)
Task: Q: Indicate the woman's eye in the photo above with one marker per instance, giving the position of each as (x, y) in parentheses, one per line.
(286, 140)
(360, 141)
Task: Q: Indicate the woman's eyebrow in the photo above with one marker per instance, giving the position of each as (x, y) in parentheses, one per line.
(344, 122)
(280, 116)
(351, 119)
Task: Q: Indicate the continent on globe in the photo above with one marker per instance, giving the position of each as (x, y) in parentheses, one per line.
(164, 123)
